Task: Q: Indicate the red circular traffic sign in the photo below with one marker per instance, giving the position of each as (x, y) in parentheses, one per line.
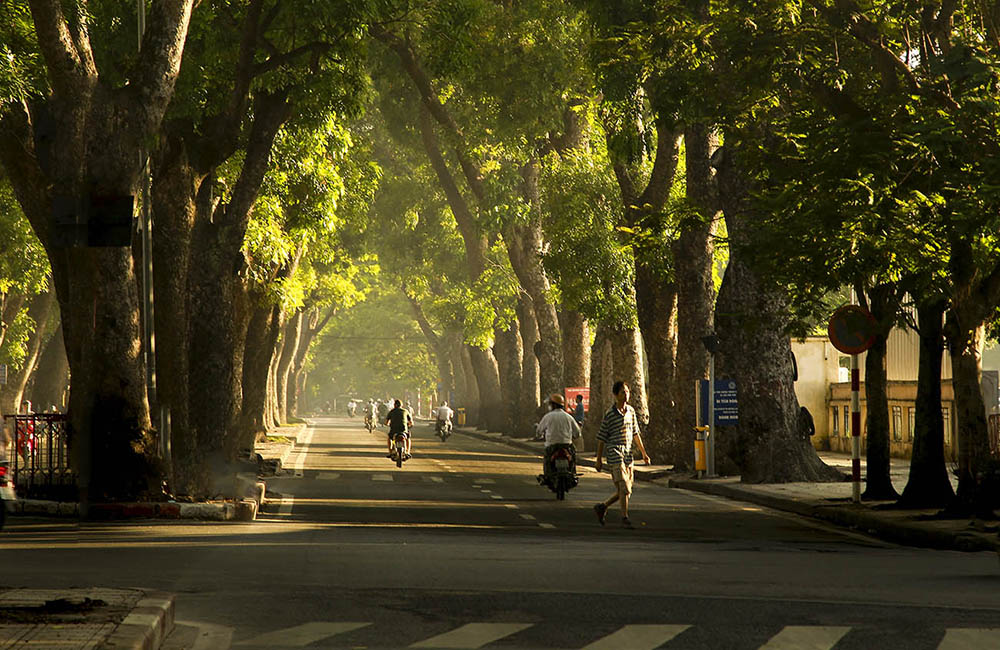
(852, 329)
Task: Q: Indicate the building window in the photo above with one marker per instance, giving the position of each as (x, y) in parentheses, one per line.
(911, 414)
(897, 423)
(946, 416)
(836, 421)
(847, 421)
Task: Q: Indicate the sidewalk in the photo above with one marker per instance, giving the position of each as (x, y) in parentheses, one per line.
(830, 502)
(85, 619)
(274, 452)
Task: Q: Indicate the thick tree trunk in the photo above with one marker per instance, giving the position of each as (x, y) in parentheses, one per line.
(626, 345)
(51, 379)
(767, 445)
(878, 484)
(177, 196)
(524, 248)
(311, 328)
(473, 406)
(965, 341)
(656, 301)
(508, 353)
(293, 338)
(878, 481)
(491, 407)
(928, 485)
(601, 379)
(261, 342)
(39, 308)
(88, 135)
(530, 397)
(576, 348)
(693, 259)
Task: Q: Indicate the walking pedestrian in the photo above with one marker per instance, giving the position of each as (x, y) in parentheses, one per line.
(614, 442)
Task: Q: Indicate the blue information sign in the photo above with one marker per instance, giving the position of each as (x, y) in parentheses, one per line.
(726, 404)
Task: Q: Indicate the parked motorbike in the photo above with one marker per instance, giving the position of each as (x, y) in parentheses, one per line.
(399, 449)
(443, 429)
(7, 495)
(560, 471)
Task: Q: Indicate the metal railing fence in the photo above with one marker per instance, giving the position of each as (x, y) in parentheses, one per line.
(38, 454)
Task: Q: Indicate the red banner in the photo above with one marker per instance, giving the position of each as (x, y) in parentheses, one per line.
(571, 394)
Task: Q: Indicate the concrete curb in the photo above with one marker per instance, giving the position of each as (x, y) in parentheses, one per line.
(146, 626)
(244, 510)
(847, 516)
(851, 516)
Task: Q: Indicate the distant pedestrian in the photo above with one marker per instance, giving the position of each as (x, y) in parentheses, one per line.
(578, 411)
(614, 442)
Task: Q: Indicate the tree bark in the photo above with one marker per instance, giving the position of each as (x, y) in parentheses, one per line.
(473, 405)
(928, 485)
(966, 344)
(693, 258)
(80, 145)
(530, 397)
(293, 338)
(486, 371)
(524, 248)
(576, 348)
(439, 347)
(766, 445)
(878, 481)
(656, 307)
(626, 345)
(507, 348)
(601, 379)
(311, 329)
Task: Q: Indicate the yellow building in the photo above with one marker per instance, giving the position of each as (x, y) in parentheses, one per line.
(824, 388)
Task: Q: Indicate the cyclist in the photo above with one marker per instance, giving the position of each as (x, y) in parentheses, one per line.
(399, 421)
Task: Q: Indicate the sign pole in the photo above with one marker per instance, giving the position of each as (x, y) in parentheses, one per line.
(855, 429)
(710, 447)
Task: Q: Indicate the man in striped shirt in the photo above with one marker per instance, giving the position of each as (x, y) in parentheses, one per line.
(614, 441)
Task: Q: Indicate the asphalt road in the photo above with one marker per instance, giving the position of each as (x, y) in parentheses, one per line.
(462, 549)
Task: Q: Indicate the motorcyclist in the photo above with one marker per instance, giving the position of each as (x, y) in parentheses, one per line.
(444, 414)
(399, 421)
(383, 410)
(369, 412)
(559, 429)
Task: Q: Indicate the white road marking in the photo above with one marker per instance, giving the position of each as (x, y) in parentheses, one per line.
(485, 481)
(961, 638)
(300, 461)
(637, 637)
(382, 477)
(473, 635)
(301, 635)
(434, 479)
(487, 491)
(512, 506)
(495, 496)
(806, 637)
(210, 635)
(543, 525)
(528, 517)
(328, 476)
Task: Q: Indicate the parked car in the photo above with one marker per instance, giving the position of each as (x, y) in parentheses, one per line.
(7, 495)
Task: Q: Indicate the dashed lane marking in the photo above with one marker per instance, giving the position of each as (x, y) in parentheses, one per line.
(528, 517)
(472, 635)
(301, 635)
(970, 639)
(544, 525)
(801, 637)
(382, 477)
(637, 637)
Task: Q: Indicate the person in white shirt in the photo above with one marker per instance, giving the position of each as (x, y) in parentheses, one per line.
(444, 414)
(558, 428)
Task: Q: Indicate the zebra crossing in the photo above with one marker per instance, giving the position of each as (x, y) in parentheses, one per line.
(627, 637)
